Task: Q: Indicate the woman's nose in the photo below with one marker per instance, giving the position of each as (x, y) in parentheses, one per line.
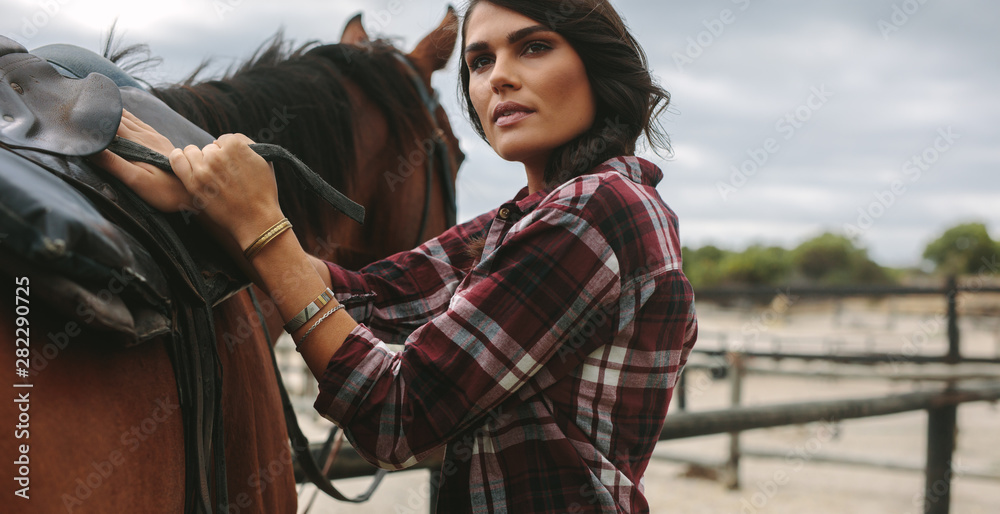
(504, 74)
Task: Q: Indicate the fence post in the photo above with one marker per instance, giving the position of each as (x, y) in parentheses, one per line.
(434, 492)
(940, 449)
(954, 355)
(681, 392)
(736, 366)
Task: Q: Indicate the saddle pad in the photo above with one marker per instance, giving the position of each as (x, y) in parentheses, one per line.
(41, 109)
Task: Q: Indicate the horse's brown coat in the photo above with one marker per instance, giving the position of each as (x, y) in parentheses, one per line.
(105, 428)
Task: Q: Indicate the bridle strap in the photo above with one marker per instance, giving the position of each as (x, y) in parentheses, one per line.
(438, 151)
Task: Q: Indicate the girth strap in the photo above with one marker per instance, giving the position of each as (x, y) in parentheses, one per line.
(132, 151)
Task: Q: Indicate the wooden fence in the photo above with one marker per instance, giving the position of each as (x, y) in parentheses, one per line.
(941, 404)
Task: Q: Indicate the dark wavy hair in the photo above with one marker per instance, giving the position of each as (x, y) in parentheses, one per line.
(629, 99)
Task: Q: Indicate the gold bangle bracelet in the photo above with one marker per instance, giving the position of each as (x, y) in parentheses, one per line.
(269, 235)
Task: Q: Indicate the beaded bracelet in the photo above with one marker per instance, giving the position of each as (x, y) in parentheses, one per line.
(327, 315)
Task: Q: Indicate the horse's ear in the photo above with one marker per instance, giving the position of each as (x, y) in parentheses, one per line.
(354, 32)
(433, 52)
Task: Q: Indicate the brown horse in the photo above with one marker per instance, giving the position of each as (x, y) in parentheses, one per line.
(382, 131)
(104, 426)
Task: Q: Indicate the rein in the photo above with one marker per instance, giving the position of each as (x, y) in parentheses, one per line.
(300, 444)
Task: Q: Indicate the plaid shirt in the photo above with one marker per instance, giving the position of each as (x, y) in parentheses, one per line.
(546, 366)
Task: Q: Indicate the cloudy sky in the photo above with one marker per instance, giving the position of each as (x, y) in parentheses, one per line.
(875, 117)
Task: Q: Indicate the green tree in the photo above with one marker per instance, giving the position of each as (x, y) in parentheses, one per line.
(701, 266)
(833, 259)
(962, 249)
(757, 265)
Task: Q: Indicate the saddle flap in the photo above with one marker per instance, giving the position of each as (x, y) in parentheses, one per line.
(42, 110)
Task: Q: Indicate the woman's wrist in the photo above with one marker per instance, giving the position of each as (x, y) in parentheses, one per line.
(248, 232)
(244, 233)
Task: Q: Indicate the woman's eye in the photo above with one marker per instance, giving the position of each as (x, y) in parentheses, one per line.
(536, 47)
(479, 62)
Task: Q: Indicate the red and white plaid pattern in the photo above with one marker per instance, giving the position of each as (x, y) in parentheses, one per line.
(546, 366)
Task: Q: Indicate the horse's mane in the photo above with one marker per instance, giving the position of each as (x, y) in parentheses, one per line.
(308, 83)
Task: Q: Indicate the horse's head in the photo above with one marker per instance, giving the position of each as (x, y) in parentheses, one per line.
(426, 163)
(363, 115)
(430, 55)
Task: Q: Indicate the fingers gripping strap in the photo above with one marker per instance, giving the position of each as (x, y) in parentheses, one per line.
(132, 151)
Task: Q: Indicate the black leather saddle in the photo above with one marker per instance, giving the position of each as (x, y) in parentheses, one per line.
(94, 247)
(99, 255)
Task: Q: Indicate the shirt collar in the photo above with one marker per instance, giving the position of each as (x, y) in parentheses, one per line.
(636, 169)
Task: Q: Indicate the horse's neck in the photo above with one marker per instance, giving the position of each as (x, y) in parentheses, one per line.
(304, 112)
(360, 153)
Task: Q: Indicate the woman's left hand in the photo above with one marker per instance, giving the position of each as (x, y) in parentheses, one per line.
(158, 188)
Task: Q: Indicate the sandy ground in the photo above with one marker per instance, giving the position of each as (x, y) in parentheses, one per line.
(795, 480)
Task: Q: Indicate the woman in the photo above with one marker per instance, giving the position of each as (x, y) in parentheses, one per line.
(542, 339)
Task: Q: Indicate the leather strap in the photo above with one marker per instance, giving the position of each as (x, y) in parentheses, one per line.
(438, 151)
(132, 151)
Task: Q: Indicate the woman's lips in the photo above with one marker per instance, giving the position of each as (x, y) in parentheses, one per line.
(508, 113)
(512, 118)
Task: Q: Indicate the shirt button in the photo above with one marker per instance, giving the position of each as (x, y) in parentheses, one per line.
(504, 213)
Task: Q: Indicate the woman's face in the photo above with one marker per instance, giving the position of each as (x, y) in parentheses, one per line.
(527, 84)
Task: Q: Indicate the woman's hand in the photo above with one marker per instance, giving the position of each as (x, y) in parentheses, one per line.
(231, 186)
(158, 188)
(226, 184)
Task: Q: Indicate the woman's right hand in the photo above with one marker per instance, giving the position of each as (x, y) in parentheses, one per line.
(158, 188)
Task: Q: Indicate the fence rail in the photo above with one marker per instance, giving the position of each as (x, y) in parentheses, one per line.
(691, 424)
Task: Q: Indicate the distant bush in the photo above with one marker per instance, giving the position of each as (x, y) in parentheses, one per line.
(757, 265)
(702, 265)
(833, 259)
(963, 249)
(828, 259)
